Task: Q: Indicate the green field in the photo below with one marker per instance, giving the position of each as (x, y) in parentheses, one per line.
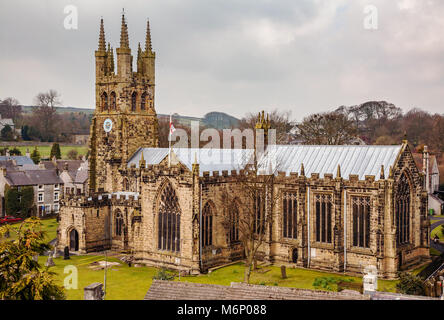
(45, 150)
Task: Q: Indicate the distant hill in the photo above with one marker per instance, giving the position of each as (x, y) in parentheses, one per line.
(217, 120)
(220, 120)
(28, 109)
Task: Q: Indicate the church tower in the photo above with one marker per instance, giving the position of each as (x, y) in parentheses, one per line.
(125, 118)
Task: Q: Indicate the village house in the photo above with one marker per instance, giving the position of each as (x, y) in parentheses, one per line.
(74, 174)
(47, 186)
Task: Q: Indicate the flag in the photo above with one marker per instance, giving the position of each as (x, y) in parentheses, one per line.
(172, 129)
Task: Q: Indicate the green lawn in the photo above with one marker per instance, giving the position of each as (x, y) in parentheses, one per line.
(45, 150)
(125, 283)
(437, 231)
(48, 225)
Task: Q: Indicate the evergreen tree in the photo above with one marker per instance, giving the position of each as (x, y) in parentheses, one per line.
(55, 151)
(15, 152)
(7, 133)
(21, 277)
(35, 156)
(19, 203)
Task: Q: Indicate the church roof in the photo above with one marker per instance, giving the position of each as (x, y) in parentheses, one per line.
(352, 159)
(208, 159)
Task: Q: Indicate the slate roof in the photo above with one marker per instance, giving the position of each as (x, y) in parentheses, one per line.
(20, 160)
(173, 290)
(353, 159)
(81, 174)
(73, 165)
(32, 177)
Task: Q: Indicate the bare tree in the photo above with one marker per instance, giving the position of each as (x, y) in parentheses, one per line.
(10, 108)
(48, 99)
(281, 121)
(45, 117)
(331, 128)
(247, 206)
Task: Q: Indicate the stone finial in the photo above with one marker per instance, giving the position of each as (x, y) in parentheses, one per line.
(382, 175)
(195, 166)
(102, 45)
(142, 162)
(405, 141)
(110, 58)
(148, 46)
(391, 172)
(302, 170)
(338, 172)
(124, 41)
(139, 59)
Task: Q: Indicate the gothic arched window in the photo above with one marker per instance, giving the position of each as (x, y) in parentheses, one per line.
(125, 184)
(234, 223)
(104, 101)
(323, 216)
(143, 102)
(289, 210)
(133, 101)
(402, 209)
(118, 223)
(113, 101)
(207, 225)
(259, 210)
(361, 221)
(169, 220)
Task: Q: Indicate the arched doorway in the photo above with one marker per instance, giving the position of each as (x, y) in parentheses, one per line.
(73, 240)
(294, 255)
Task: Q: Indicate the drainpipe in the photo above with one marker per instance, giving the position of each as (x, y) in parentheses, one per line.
(345, 230)
(308, 226)
(200, 229)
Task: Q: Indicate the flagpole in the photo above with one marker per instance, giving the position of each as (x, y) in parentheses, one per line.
(169, 144)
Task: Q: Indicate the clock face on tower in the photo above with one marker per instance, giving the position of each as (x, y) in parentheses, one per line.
(107, 125)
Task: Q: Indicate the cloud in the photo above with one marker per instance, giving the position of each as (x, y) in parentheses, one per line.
(235, 56)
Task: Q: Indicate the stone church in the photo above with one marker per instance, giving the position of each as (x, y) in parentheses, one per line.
(339, 208)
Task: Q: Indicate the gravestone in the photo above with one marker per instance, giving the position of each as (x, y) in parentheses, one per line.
(370, 280)
(93, 292)
(283, 272)
(66, 253)
(49, 262)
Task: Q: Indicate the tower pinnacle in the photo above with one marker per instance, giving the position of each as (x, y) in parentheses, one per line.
(102, 45)
(148, 46)
(124, 41)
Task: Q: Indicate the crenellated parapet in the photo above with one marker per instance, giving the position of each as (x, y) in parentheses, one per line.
(100, 200)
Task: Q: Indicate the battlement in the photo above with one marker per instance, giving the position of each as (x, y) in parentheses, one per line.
(131, 199)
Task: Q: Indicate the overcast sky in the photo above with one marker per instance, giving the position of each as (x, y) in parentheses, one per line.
(235, 56)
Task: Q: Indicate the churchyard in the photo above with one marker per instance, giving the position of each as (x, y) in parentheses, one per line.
(131, 283)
